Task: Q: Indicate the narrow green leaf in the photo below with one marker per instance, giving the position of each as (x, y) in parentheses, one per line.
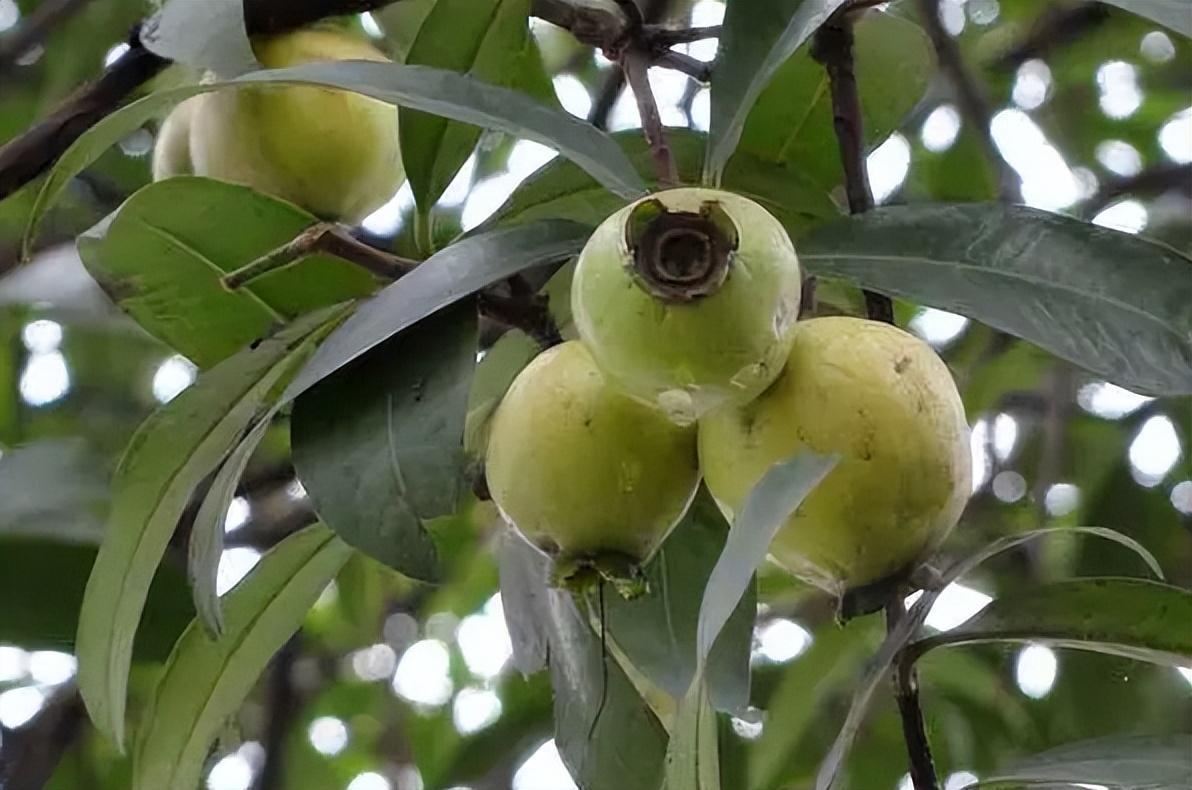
(1153, 762)
(379, 445)
(436, 91)
(1107, 301)
(207, 532)
(171, 453)
(206, 681)
(443, 279)
(205, 36)
(525, 601)
(757, 39)
(693, 756)
(1133, 618)
(1175, 14)
(487, 39)
(158, 259)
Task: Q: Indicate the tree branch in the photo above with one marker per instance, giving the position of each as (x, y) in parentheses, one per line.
(974, 104)
(283, 709)
(1059, 24)
(36, 28)
(833, 47)
(635, 62)
(1152, 181)
(324, 237)
(31, 754)
(906, 693)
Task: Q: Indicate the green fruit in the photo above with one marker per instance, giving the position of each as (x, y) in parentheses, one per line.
(335, 153)
(592, 477)
(883, 401)
(171, 151)
(688, 298)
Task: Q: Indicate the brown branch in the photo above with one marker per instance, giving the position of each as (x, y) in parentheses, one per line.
(1152, 181)
(1058, 25)
(328, 238)
(34, 31)
(663, 36)
(974, 104)
(32, 754)
(833, 47)
(635, 62)
(696, 69)
(906, 694)
(527, 313)
(283, 709)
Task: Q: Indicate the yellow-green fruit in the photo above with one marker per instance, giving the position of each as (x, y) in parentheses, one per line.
(171, 150)
(588, 475)
(884, 402)
(688, 299)
(335, 153)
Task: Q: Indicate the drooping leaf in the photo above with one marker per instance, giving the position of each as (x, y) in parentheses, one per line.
(757, 39)
(693, 754)
(160, 260)
(1154, 762)
(207, 532)
(1107, 301)
(1175, 14)
(437, 91)
(206, 680)
(525, 601)
(1133, 618)
(171, 453)
(657, 631)
(792, 122)
(487, 39)
(562, 190)
(379, 445)
(446, 277)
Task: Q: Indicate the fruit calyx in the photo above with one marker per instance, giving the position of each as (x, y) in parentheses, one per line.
(680, 256)
(578, 574)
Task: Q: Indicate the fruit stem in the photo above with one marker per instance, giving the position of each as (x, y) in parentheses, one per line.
(325, 237)
(906, 693)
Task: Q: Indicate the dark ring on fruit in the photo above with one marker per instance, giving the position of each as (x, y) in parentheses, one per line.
(681, 256)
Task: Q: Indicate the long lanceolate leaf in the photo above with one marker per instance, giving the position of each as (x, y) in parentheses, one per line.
(1107, 301)
(206, 680)
(692, 760)
(1150, 762)
(908, 628)
(1175, 14)
(436, 91)
(758, 37)
(172, 452)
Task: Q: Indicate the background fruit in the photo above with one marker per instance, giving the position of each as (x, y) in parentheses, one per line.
(690, 357)
(171, 151)
(887, 404)
(583, 471)
(334, 153)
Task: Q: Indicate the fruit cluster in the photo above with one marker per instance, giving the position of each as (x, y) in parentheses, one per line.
(690, 363)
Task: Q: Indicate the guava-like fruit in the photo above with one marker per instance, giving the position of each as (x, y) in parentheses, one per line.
(688, 298)
(335, 153)
(171, 150)
(590, 476)
(883, 401)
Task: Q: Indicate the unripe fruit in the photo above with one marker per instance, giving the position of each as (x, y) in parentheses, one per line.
(588, 475)
(171, 150)
(335, 153)
(687, 299)
(883, 401)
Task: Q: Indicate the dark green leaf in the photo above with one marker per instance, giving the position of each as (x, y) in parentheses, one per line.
(792, 121)
(657, 631)
(487, 39)
(206, 681)
(758, 38)
(563, 190)
(446, 277)
(1175, 14)
(693, 754)
(1133, 618)
(379, 445)
(1112, 303)
(160, 258)
(1125, 762)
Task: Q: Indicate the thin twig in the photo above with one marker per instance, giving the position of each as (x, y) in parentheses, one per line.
(635, 62)
(324, 237)
(1152, 181)
(1058, 25)
(696, 69)
(32, 754)
(35, 29)
(974, 104)
(906, 693)
(667, 37)
(531, 315)
(283, 709)
(833, 47)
